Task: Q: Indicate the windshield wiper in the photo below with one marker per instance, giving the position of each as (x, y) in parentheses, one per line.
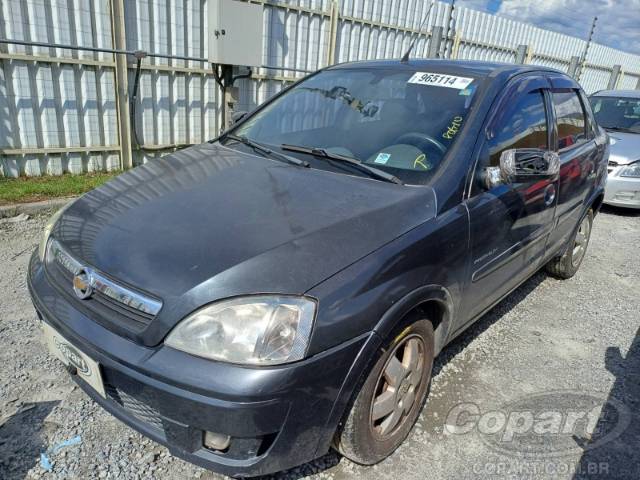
(622, 129)
(322, 153)
(266, 151)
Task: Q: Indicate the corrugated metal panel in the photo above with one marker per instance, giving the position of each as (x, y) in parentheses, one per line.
(384, 29)
(292, 39)
(598, 78)
(173, 108)
(56, 105)
(629, 82)
(61, 105)
(487, 37)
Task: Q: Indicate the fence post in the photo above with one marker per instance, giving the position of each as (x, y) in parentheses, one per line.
(620, 78)
(573, 66)
(334, 12)
(121, 84)
(638, 84)
(521, 53)
(613, 78)
(231, 100)
(434, 42)
(456, 45)
(446, 53)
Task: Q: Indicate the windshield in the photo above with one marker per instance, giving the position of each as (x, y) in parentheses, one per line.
(399, 121)
(617, 113)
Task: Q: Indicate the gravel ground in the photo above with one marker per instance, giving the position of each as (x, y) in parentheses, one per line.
(550, 346)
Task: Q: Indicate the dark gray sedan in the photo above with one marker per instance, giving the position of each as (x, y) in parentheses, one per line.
(284, 289)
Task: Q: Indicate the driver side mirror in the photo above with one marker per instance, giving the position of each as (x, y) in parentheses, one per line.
(522, 165)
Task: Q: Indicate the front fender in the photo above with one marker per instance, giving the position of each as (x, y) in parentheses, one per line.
(374, 340)
(419, 296)
(429, 262)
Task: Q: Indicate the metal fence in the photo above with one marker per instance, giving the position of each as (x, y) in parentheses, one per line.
(63, 111)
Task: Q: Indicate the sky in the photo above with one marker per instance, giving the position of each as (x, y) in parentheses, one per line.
(618, 24)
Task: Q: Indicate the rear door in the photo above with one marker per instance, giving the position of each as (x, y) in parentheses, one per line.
(576, 145)
(510, 224)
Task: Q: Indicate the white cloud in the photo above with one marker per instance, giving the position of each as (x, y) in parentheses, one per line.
(618, 23)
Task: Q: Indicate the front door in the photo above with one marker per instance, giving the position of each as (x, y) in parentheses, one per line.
(509, 223)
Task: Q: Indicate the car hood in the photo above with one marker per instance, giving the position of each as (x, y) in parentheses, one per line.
(211, 222)
(625, 147)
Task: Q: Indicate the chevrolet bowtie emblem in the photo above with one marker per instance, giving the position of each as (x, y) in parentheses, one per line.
(82, 285)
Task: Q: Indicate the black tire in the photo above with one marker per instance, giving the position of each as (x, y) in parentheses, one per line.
(361, 440)
(567, 265)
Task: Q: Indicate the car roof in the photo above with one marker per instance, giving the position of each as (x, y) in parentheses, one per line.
(618, 93)
(473, 67)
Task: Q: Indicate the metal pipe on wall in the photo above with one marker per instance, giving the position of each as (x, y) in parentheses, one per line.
(132, 53)
(127, 101)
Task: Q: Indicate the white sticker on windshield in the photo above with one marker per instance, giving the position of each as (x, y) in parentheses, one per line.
(382, 158)
(440, 80)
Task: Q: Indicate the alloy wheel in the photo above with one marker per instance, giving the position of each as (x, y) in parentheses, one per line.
(397, 387)
(581, 241)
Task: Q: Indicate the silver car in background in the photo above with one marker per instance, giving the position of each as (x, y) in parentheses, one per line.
(618, 111)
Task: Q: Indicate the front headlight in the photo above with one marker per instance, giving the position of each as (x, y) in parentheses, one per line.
(257, 330)
(42, 247)
(632, 170)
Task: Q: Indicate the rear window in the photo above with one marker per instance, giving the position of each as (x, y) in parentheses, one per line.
(570, 117)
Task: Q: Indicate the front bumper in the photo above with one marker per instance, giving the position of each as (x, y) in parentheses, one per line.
(277, 417)
(622, 191)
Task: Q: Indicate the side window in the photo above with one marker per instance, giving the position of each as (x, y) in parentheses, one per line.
(592, 127)
(570, 118)
(522, 125)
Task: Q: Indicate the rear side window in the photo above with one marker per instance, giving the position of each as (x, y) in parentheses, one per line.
(523, 125)
(570, 118)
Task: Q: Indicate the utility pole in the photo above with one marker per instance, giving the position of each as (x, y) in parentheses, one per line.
(583, 60)
(122, 86)
(435, 42)
(573, 66)
(446, 36)
(615, 77)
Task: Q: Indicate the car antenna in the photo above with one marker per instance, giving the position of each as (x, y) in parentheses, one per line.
(405, 57)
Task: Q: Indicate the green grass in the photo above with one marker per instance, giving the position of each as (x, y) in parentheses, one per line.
(33, 189)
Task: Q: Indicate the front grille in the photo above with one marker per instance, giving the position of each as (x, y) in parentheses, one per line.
(98, 305)
(110, 304)
(135, 407)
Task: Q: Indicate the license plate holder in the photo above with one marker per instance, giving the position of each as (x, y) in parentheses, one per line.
(87, 368)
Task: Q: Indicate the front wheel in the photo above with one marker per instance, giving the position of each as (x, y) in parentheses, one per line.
(567, 265)
(391, 397)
